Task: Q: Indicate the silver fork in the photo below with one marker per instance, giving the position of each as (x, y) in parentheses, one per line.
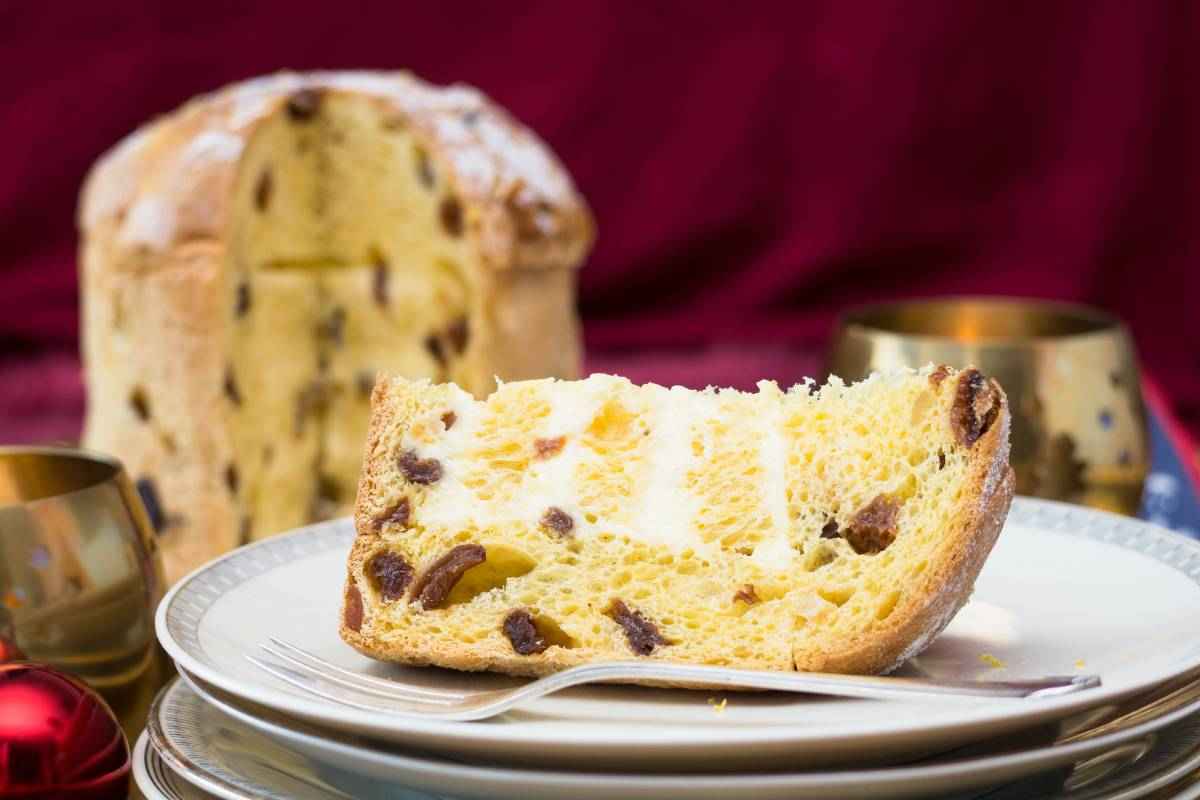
(319, 677)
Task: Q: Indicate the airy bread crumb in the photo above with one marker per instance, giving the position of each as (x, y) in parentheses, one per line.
(830, 529)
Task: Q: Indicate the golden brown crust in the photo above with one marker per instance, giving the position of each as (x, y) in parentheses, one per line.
(177, 308)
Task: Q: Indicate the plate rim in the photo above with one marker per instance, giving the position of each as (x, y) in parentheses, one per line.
(185, 602)
(144, 768)
(1031, 762)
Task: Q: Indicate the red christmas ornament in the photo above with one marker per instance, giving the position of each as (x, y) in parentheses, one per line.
(58, 739)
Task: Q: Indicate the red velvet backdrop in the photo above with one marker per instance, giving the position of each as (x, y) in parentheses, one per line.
(753, 168)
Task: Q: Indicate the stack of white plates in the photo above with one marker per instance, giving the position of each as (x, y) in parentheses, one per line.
(1066, 590)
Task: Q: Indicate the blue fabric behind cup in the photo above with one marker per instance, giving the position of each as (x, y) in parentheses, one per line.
(1169, 499)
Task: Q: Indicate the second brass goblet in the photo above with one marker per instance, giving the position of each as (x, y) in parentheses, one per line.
(1070, 372)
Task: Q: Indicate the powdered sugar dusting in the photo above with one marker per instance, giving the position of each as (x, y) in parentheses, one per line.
(116, 179)
(150, 223)
(473, 166)
(526, 158)
(491, 157)
(214, 145)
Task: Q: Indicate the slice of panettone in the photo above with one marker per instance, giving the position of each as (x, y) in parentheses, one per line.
(837, 528)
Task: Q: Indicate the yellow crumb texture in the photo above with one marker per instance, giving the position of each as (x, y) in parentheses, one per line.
(771, 529)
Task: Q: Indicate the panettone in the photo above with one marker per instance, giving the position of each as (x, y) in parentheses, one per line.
(251, 260)
(836, 528)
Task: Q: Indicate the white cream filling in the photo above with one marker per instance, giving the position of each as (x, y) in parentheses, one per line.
(775, 552)
(551, 481)
(666, 511)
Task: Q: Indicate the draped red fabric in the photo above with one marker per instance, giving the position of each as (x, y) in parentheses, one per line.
(754, 167)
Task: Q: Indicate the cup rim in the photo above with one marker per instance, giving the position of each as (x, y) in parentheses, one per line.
(860, 318)
(110, 467)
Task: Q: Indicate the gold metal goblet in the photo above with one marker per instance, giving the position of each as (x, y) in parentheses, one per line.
(1070, 372)
(80, 574)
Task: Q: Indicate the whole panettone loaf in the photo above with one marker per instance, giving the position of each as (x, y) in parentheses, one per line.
(560, 522)
(251, 260)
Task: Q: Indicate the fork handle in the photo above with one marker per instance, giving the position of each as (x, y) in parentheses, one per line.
(861, 686)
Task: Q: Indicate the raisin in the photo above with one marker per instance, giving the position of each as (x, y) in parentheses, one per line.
(333, 327)
(424, 471)
(434, 345)
(352, 614)
(241, 304)
(379, 284)
(232, 480)
(533, 221)
(148, 492)
(262, 190)
(941, 459)
(328, 489)
(558, 521)
(976, 406)
(303, 104)
(747, 595)
(425, 173)
(312, 399)
(458, 333)
(547, 448)
(435, 583)
(938, 375)
(391, 573)
(523, 634)
(451, 214)
(642, 634)
(364, 382)
(244, 530)
(396, 515)
(231, 387)
(448, 419)
(830, 530)
(139, 404)
(874, 527)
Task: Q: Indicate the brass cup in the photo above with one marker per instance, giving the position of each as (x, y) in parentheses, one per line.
(80, 573)
(1070, 372)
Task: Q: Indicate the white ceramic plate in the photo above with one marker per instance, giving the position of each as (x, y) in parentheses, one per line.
(1065, 589)
(239, 752)
(156, 780)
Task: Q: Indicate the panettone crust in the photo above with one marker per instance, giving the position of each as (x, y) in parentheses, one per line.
(169, 182)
